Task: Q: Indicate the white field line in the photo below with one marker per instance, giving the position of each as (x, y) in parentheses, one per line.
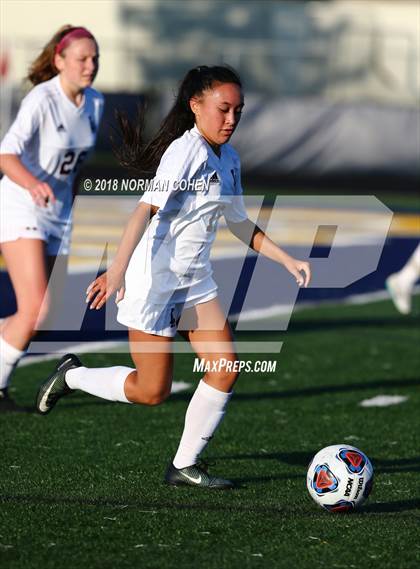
(83, 348)
(282, 309)
(383, 401)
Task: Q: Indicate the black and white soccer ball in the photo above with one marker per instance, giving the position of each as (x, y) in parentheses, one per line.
(340, 478)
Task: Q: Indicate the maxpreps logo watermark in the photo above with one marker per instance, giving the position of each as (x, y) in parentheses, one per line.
(353, 230)
(224, 365)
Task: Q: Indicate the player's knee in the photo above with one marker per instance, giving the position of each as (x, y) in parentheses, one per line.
(232, 369)
(151, 398)
(229, 378)
(225, 377)
(156, 399)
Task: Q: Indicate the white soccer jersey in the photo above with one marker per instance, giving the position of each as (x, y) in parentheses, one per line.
(52, 137)
(192, 188)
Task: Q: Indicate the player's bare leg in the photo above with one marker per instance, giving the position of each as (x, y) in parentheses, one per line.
(25, 261)
(211, 339)
(151, 382)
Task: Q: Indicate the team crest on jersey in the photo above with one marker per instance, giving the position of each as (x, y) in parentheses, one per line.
(92, 125)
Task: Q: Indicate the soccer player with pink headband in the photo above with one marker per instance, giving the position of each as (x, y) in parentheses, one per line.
(55, 129)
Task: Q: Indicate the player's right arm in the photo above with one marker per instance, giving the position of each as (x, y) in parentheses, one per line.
(100, 290)
(13, 145)
(12, 167)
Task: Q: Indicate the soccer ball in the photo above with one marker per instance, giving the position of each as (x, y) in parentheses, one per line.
(340, 478)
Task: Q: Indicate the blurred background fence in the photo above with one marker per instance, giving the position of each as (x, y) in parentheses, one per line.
(332, 87)
(332, 105)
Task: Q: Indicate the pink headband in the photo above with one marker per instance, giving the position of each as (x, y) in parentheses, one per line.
(74, 34)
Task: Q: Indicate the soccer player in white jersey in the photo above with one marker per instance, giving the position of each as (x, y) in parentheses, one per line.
(54, 130)
(163, 267)
(401, 284)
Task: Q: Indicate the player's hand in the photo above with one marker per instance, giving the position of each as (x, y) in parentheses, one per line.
(102, 288)
(41, 193)
(301, 270)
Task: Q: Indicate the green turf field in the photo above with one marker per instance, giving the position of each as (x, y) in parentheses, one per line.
(82, 486)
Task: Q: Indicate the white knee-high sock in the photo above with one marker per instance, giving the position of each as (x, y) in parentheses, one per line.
(411, 270)
(105, 382)
(203, 416)
(9, 357)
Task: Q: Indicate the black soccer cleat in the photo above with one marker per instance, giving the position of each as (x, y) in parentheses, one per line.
(55, 386)
(195, 475)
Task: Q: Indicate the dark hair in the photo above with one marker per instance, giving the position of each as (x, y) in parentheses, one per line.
(144, 158)
(43, 68)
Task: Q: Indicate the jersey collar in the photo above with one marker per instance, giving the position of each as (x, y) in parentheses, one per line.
(66, 99)
(196, 132)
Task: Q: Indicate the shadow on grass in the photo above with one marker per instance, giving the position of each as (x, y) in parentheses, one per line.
(86, 401)
(201, 505)
(311, 391)
(292, 458)
(381, 466)
(391, 507)
(329, 324)
(300, 324)
(151, 505)
(396, 465)
(67, 406)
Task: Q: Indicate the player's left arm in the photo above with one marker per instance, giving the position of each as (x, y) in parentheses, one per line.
(254, 237)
